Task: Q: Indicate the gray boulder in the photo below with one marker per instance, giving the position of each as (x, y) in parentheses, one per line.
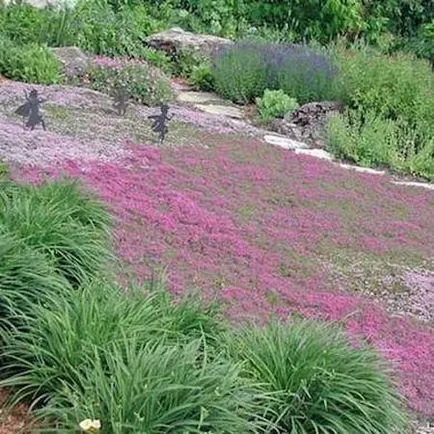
(176, 40)
(308, 123)
(74, 62)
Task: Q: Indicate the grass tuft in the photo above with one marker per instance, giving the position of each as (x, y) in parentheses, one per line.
(317, 381)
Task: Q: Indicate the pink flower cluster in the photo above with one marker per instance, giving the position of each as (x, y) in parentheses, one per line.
(257, 227)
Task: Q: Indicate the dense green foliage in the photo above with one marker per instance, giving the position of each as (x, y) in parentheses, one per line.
(77, 346)
(275, 104)
(370, 139)
(31, 63)
(113, 27)
(391, 121)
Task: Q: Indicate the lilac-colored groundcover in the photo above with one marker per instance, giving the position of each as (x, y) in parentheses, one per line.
(260, 228)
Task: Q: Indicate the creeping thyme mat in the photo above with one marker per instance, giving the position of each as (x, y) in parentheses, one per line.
(263, 230)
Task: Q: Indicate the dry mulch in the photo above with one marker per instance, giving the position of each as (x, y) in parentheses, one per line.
(16, 420)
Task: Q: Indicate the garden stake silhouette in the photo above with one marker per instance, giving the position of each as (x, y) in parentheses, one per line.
(159, 125)
(120, 101)
(30, 110)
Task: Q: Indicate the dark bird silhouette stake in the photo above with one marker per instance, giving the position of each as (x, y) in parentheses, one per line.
(159, 125)
(30, 110)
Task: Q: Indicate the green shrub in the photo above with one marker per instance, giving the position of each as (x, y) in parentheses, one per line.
(30, 63)
(275, 104)
(201, 77)
(318, 382)
(58, 220)
(240, 74)
(141, 83)
(397, 86)
(130, 360)
(369, 139)
(422, 44)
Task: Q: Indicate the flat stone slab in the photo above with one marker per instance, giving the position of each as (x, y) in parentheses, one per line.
(362, 169)
(415, 184)
(285, 142)
(317, 153)
(197, 97)
(222, 110)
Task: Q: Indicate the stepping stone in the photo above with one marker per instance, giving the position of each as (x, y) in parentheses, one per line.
(197, 97)
(317, 153)
(284, 142)
(362, 169)
(414, 184)
(222, 110)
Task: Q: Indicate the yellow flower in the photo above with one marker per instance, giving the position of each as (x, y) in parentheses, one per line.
(90, 426)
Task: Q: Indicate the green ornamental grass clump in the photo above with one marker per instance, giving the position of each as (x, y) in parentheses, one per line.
(315, 382)
(275, 104)
(132, 360)
(63, 223)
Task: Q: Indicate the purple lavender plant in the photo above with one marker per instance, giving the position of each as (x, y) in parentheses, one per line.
(299, 70)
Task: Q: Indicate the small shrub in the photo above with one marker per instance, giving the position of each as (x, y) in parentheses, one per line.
(142, 83)
(30, 63)
(101, 30)
(275, 104)
(240, 74)
(184, 61)
(398, 86)
(58, 220)
(244, 71)
(369, 139)
(317, 382)
(201, 77)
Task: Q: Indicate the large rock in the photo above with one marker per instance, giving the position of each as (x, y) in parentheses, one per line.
(177, 40)
(74, 62)
(308, 123)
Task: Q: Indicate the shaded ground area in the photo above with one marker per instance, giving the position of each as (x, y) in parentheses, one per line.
(265, 231)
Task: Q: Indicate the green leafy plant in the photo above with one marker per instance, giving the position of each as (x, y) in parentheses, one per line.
(201, 77)
(316, 382)
(30, 63)
(275, 104)
(61, 222)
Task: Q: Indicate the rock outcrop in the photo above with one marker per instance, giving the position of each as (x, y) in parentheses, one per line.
(176, 40)
(308, 123)
(74, 62)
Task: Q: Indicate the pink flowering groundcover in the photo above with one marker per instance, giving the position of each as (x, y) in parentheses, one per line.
(270, 233)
